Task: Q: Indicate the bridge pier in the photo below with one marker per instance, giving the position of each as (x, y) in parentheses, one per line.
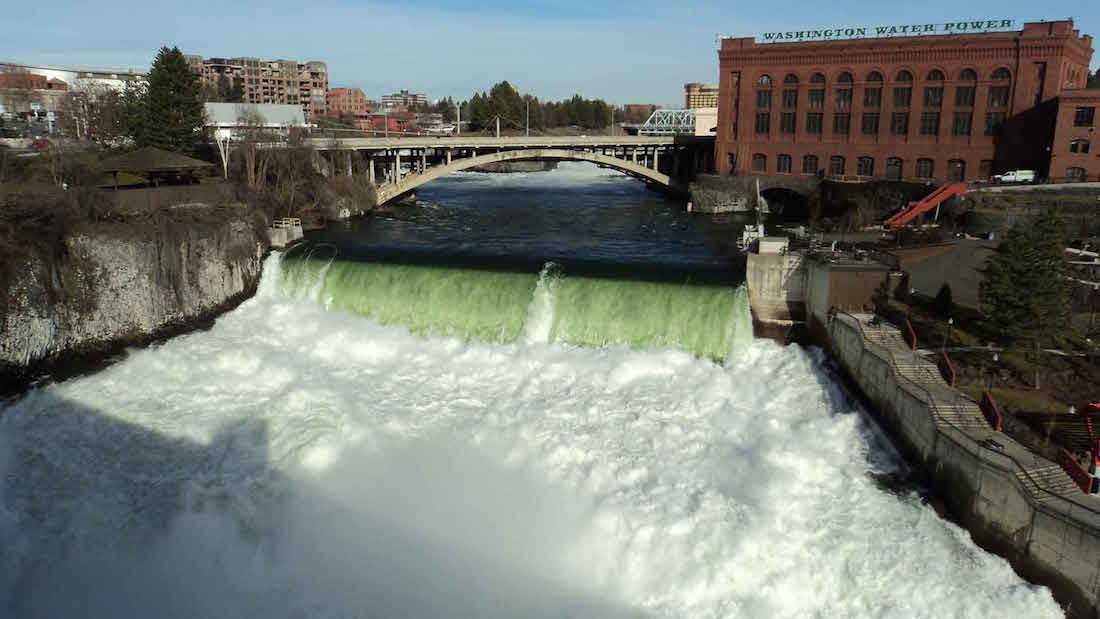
(449, 156)
(396, 166)
(655, 153)
(423, 160)
(370, 174)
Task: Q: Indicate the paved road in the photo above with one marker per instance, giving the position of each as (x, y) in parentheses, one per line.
(961, 268)
(1050, 187)
(487, 142)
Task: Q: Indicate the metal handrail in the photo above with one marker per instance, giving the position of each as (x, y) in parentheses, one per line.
(974, 447)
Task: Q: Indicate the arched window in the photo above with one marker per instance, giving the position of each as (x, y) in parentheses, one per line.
(874, 76)
(893, 169)
(844, 78)
(809, 164)
(783, 164)
(865, 166)
(968, 75)
(1079, 146)
(1001, 75)
(1075, 174)
(791, 78)
(956, 170)
(904, 76)
(935, 75)
(765, 80)
(836, 165)
(925, 168)
(759, 163)
(817, 78)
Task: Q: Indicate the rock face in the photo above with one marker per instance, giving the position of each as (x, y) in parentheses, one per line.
(105, 285)
(506, 167)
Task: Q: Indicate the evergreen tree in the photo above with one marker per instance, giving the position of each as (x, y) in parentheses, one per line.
(1024, 293)
(173, 113)
(1094, 79)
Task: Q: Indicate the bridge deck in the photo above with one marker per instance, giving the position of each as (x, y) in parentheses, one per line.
(489, 142)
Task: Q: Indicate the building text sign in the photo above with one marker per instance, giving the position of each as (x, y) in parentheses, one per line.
(905, 30)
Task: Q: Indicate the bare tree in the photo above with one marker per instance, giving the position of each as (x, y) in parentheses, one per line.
(254, 136)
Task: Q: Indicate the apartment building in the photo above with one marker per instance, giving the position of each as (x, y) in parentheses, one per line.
(270, 81)
(404, 99)
(347, 102)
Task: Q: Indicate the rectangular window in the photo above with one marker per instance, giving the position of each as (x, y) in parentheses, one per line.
(903, 97)
(962, 123)
(814, 120)
(790, 99)
(763, 122)
(817, 99)
(924, 168)
(993, 121)
(930, 123)
(763, 98)
(1084, 117)
(809, 164)
(998, 96)
(933, 96)
(783, 164)
(985, 168)
(964, 96)
(899, 123)
(870, 123)
(786, 122)
(759, 163)
(872, 97)
(844, 99)
(842, 123)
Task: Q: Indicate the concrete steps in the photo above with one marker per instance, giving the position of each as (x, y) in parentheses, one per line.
(964, 416)
(920, 372)
(1051, 478)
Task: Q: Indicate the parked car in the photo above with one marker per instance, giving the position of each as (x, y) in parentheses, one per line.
(1015, 176)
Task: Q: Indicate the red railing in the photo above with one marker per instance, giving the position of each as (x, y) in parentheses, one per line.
(1074, 469)
(910, 334)
(991, 411)
(947, 369)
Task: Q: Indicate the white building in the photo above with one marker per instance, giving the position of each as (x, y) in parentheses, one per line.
(233, 117)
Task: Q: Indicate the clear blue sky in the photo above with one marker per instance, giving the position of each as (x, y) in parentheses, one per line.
(640, 51)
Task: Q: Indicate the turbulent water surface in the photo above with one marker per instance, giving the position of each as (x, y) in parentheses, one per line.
(371, 439)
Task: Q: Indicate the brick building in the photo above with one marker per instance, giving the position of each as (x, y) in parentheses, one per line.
(347, 102)
(932, 107)
(270, 81)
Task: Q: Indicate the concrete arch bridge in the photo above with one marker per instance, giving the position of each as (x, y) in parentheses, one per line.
(399, 166)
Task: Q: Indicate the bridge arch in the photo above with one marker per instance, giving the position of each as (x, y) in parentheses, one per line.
(388, 192)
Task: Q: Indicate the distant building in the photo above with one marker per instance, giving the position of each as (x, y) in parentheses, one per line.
(638, 112)
(404, 99)
(347, 102)
(290, 82)
(429, 122)
(706, 120)
(698, 95)
(235, 117)
(40, 88)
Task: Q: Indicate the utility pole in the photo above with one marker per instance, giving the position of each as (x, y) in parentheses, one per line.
(458, 119)
(527, 125)
(498, 125)
(612, 120)
(386, 117)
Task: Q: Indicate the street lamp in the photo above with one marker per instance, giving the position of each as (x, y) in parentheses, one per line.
(947, 335)
(993, 372)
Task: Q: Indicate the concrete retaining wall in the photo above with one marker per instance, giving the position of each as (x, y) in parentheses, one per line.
(1049, 537)
(777, 287)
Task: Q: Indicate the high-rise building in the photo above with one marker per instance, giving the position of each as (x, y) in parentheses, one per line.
(954, 103)
(698, 95)
(269, 81)
(404, 99)
(347, 102)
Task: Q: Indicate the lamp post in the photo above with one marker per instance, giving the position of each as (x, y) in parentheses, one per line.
(947, 335)
(992, 373)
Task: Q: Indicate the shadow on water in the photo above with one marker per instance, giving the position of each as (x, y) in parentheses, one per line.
(103, 518)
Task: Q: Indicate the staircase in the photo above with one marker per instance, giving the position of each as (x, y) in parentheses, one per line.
(1042, 481)
(929, 202)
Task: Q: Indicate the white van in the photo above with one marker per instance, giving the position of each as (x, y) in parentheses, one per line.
(1015, 176)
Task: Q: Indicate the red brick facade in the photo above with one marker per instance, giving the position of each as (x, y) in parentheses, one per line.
(901, 108)
(346, 102)
(1075, 153)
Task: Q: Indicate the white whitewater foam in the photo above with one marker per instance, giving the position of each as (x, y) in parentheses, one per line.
(293, 462)
(539, 324)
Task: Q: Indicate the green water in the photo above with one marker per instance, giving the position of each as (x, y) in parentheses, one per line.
(494, 306)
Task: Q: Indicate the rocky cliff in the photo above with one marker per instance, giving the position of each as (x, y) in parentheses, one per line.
(87, 288)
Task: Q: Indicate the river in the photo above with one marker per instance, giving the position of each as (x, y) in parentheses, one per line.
(391, 428)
